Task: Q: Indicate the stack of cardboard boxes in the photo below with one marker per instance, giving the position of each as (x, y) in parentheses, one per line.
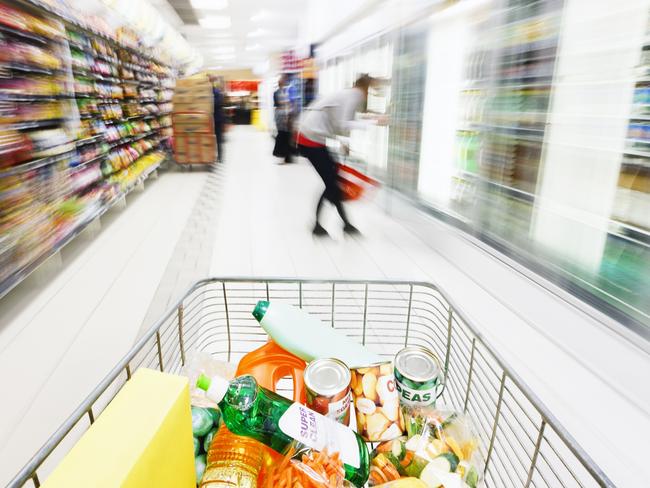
(194, 140)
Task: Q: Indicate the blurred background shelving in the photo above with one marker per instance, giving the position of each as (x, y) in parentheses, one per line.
(84, 118)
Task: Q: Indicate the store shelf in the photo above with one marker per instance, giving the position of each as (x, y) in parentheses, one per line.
(17, 276)
(131, 139)
(30, 68)
(30, 36)
(90, 140)
(34, 98)
(35, 164)
(634, 152)
(82, 73)
(99, 157)
(638, 141)
(35, 124)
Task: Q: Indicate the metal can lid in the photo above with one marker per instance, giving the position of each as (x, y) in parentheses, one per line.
(327, 376)
(417, 363)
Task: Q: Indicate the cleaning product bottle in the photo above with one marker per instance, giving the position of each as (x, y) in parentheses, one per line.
(250, 410)
(232, 461)
(270, 363)
(306, 337)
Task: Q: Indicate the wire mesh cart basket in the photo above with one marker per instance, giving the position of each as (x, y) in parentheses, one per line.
(523, 444)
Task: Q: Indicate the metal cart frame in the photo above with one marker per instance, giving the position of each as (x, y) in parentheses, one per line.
(523, 444)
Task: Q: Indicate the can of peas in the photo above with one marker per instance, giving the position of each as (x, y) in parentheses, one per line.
(418, 376)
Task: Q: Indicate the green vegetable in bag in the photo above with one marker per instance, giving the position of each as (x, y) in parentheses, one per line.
(201, 421)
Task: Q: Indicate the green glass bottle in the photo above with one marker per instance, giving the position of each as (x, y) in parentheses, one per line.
(250, 410)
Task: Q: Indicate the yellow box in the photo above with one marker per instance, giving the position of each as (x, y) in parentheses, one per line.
(143, 438)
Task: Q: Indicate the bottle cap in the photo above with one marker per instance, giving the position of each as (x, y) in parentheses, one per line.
(203, 382)
(215, 388)
(260, 310)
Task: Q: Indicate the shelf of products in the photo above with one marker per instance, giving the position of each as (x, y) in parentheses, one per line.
(82, 120)
(633, 192)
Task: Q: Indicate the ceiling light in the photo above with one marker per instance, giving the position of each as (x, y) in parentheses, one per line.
(209, 4)
(223, 57)
(257, 33)
(215, 22)
(253, 47)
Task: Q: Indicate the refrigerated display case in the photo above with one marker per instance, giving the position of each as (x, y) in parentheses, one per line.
(408, 86)
(522, 122)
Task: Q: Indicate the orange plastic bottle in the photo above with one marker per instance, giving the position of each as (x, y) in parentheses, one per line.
(270, 363)
(232, 461)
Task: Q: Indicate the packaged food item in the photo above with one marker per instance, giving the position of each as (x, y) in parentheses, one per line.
(306, 337)
(270, 363)
(409, 482)
(441, 450)
(232, 460)
(250, 410)
(306, 468)
(418, 376)
(197, 362)
(376, 403)
(328, 389)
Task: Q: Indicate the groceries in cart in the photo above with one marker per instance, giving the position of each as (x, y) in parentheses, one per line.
(306, 468)
(440, 448)
(205, 423)
(376, 402)
(344, 395)
(248, 409)
(308, 338)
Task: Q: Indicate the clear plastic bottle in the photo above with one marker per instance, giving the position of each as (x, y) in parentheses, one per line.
(232, 461)
(250, 410)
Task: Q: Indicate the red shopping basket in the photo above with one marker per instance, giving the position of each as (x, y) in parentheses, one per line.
(353, 183)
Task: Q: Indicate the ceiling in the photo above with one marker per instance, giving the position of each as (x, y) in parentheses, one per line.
(257, 28)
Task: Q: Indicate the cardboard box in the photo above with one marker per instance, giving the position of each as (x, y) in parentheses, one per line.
(143, 438)
(199, 106)
(184, 98)
(200, 81)
(195, 148)
(192, 123)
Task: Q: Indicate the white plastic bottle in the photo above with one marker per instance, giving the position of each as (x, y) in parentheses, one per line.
(305, 336)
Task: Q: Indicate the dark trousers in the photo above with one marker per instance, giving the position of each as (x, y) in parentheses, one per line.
(219, 136)
(325, 166)
(282, 148)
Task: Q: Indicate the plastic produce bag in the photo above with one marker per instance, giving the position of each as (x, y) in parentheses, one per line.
(306, 468)
(198, 362)
(441, 450)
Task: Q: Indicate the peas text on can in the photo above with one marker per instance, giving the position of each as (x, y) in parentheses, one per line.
(327, 382)
(418, 376)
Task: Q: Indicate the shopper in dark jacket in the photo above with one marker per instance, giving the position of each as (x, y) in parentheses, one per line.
(282, 115)
(219, 118)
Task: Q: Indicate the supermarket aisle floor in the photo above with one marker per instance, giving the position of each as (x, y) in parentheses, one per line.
(61, 334)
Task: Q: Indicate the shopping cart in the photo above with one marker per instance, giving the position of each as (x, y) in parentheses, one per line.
(523, 444)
